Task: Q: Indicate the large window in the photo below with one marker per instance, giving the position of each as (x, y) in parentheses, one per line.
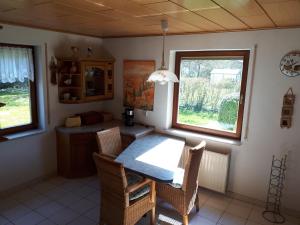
(18, 110)
(210, 95)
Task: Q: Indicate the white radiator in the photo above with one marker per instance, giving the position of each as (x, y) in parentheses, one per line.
(213, 170)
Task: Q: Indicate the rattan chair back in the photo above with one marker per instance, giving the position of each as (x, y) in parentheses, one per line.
(191, 172)
(113, 183)
(191, 169)
(115, 208)
(109, 141)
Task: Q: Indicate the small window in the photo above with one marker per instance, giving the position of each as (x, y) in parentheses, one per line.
(18, 109)
(210, 95)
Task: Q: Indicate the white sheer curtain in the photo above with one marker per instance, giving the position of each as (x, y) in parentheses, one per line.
(16, 64)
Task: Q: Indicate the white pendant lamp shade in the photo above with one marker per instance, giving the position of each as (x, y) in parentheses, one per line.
(163, 75)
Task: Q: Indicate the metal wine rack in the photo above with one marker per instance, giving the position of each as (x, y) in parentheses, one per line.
(277, 176)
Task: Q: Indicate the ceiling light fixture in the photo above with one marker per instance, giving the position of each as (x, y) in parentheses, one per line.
(163, 75)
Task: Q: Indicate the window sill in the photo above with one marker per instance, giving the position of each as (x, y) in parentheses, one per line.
(189, 134)
(22, 134)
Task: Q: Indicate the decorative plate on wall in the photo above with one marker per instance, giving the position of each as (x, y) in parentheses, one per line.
(290, 64)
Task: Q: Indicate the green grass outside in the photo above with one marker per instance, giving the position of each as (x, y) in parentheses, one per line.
(196, 118)
(17, 109)
(203, 119)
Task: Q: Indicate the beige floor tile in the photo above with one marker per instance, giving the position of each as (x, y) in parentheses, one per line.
(63, 216)
(83, 221)
(36, 201)
(251, 223)
(239, 208)
(3, 221)
(43, 187)
(31, 218)
(82, 206)
(218, 201)
(70, 186)
(93, 214)
(56, 193)
(49, 209)
(203, 197)
(94, 184)
(256, 216)
(69, 199)
(83, 191)
(15, 212)
(292, 220)
(46, 222)
(198, 220)
(94, 196)
(229, 219)
(210, 213)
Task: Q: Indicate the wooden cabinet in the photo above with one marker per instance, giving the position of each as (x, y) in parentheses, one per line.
(126, 140)
(85, 80)
(75, 153)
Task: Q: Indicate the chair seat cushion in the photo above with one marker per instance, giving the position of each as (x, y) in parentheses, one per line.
(178, 178)
(133, 179)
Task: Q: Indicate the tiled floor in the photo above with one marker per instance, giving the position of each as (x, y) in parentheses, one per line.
(76, 202)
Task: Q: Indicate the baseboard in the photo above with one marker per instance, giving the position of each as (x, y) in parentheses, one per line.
(286, 211)
(245, 199)
(26, 184)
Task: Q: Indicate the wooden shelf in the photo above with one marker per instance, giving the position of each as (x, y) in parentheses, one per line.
(70, 101)
(101, 79)
(70, 74)
(70, 87)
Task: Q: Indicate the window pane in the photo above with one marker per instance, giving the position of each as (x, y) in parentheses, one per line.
(209, 92)
(17, 109)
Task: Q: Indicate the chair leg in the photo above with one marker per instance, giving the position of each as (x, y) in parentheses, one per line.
(185, 220)
(197, 203)
(152, 217)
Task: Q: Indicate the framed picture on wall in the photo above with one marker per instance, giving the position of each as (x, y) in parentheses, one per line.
(138, 93)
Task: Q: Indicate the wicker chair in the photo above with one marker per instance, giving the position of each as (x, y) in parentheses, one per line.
(117, 208)
(182, 196)
(109, 142)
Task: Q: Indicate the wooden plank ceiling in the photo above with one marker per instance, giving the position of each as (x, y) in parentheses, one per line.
(114, 18)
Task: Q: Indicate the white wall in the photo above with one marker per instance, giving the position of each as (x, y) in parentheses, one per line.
(24, 159)
(250, 165)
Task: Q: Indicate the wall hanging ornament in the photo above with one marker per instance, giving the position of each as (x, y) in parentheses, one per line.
(287, 109)
(290, 64)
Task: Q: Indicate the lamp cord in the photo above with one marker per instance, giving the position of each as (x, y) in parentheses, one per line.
(163, 51)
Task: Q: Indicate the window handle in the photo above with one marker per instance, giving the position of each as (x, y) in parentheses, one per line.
(241, 99)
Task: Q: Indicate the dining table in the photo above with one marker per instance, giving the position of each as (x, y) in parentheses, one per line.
(155, 156)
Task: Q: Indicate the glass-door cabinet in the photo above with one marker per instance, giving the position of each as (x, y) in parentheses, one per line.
(96, 82)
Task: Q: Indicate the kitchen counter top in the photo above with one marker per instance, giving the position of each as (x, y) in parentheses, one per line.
(136, 131)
